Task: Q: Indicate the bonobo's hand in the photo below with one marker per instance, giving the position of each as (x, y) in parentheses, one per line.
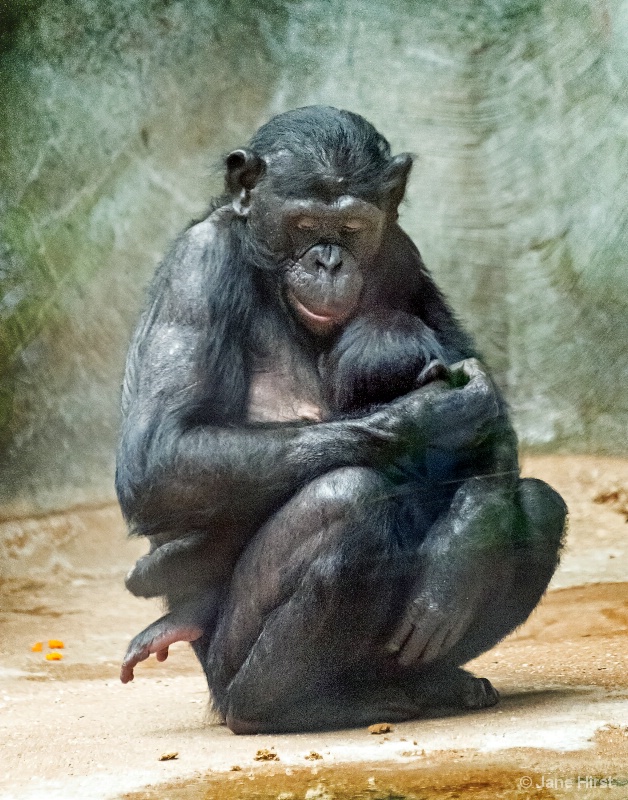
(463, 559)
(436, 619)
(450, 414)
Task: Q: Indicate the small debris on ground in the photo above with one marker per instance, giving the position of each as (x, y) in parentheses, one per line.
(381, 727)
(236, 768)
(55, 644)
(313, 756)
(37, 647)
(616, 497)
(266, 755)
(168, 756)
(53, 656)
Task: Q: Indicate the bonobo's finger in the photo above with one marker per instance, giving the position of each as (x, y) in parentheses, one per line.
(414, 630)
(401, 634)
(428, 630)
(470, 371)
(446, 636)
(424, 643)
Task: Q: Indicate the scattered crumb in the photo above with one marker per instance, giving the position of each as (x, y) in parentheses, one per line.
(616, 497)
(37, 647)
(381, 727)
(53, 656)
(168, 756)
(55, 644)
(236, 768)
(313, 756)
(266, 755)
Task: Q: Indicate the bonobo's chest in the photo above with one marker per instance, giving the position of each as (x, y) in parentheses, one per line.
(283, 389)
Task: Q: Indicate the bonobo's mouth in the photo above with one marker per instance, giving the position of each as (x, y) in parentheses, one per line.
(316, 321)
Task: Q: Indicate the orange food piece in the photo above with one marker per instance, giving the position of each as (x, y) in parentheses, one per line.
(37, 647)
(53, 656)
(55, 644)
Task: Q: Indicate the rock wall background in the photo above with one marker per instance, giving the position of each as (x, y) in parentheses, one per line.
(114, 115)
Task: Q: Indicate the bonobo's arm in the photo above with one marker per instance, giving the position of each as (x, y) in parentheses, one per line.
(176, 474)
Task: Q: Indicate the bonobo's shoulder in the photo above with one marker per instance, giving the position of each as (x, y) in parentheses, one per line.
(208, 231)
(195, 261)
(199, 247)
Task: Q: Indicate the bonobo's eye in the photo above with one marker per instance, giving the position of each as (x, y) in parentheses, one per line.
(306, 223)
(353, 226)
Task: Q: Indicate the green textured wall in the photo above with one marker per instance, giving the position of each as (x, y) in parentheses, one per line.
(114, 114)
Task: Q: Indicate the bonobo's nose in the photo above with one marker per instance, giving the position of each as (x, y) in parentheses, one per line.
(329, 257)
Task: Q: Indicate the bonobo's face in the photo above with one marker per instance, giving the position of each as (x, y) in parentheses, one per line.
(316, 215)
(323, 251)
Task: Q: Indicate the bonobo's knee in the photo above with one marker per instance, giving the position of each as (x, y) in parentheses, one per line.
(351, 507)
(546, 514)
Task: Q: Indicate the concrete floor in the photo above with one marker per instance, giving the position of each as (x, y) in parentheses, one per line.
(69, 729)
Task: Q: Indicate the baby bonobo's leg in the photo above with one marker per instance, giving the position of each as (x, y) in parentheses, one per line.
(185, 623)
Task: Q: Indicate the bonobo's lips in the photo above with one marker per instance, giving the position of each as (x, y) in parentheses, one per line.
(315, 321)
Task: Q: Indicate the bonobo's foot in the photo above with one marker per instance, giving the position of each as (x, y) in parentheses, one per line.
(479, 693)
(452, 687)
(348, 707)
(410, 697)
(186, 623)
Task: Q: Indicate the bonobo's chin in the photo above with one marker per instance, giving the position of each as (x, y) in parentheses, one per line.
(319, 323)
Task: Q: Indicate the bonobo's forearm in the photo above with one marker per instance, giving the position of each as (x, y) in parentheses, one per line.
(200, 477)
(237, 476)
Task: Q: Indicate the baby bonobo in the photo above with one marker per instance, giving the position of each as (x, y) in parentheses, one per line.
(325, 471)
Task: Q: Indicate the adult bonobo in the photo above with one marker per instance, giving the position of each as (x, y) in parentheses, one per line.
(325, 472)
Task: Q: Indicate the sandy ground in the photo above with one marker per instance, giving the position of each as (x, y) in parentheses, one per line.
(69, 729)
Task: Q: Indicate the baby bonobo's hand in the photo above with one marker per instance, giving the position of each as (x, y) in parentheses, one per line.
(432, 372)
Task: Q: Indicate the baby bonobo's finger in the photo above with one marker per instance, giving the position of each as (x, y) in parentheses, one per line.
(434, 371)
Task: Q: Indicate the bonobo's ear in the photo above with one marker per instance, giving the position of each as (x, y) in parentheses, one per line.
(395, 178)
(244, 169)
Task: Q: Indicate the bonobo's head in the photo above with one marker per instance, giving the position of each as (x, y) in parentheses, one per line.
(318, 187)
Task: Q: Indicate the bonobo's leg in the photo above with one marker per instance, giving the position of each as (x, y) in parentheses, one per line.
(527, 573)
(186, 623)
(310, 604)
(484, 567)
(301, 642)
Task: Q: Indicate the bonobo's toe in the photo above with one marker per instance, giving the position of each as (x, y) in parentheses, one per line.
(479, 693)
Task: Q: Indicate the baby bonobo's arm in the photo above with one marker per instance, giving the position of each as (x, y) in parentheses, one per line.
(186, 623)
